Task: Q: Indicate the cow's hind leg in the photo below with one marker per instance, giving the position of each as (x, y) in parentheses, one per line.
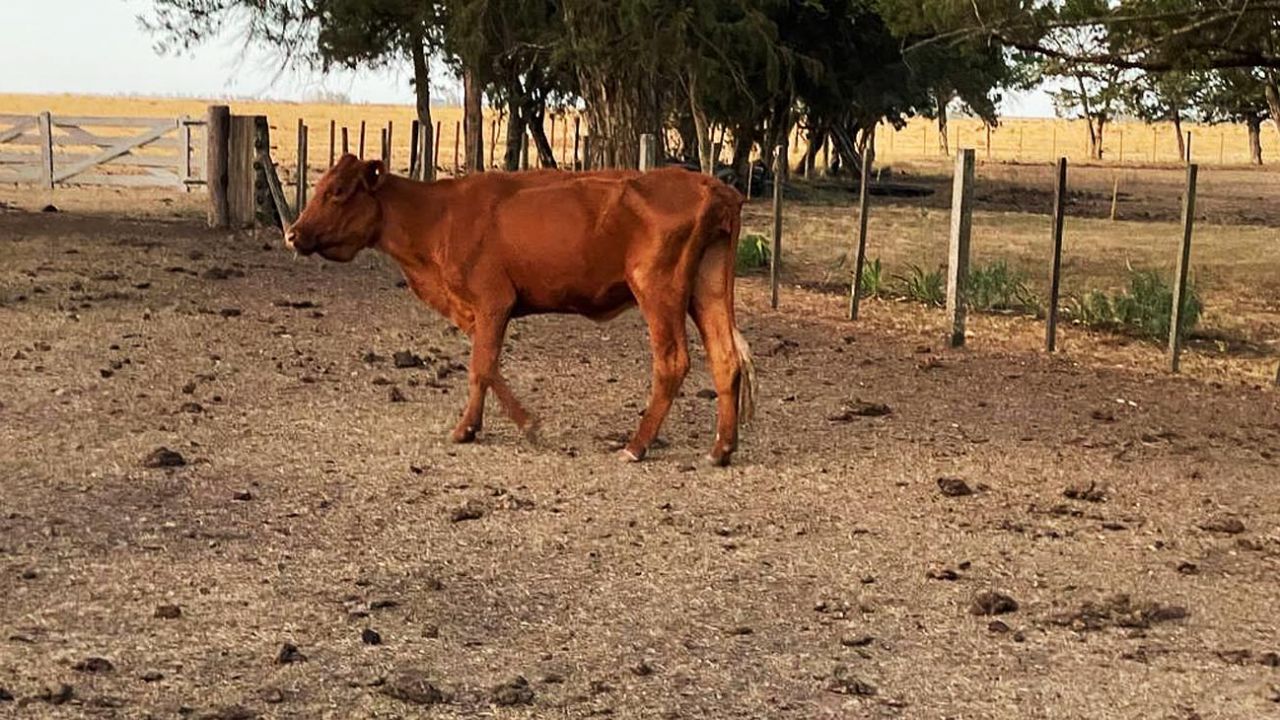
(486, 346)
(666, 319)
(712, 314)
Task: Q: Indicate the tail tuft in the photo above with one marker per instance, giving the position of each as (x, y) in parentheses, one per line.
(747, 383)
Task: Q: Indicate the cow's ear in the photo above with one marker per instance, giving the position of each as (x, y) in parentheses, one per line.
(373, 174)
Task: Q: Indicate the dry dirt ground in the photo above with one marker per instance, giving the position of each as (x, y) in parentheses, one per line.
(842, 568)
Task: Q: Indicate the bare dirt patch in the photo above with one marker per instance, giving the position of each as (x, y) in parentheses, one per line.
(794, 585)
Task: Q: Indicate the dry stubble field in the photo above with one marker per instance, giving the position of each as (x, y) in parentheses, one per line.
(839, 569)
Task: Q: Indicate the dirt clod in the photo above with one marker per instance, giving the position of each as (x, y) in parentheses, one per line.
(707, 394)
(860, 409)
(1087, 493)
(954, 487)
(413, 687)
(289, 653)
(945, 574)
(642, 669)
(221, 273)
(397, 395)
(1224, 524)
(229, 712)
(856, 640)
(151, 676)
(193, 408)
(56, 693)
(94, 665)
(242, 495)
(168, 612)
(369, 636)
(1117, 611)
(5, 695)
(993, 603)
(404, 359)
(163, 457)
(843, 682)
(515, 691)
(470, 510)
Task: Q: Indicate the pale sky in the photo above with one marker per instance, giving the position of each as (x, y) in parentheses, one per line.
(98, 47)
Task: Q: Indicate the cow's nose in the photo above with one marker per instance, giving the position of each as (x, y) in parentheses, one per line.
(290, 237)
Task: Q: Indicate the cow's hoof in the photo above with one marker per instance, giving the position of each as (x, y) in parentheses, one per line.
(630, 456)
(532, 431)
(719, 459)
(463, 435)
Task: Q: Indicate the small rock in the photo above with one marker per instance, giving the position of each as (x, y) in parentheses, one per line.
(289, 653)
(56, 694)
(369, 636)
(163, 457)
(552, 678)
(993, 603)
(372, 358)
(30, 574)
(1223, 524)
(397, 396)
(50, 208)
(946, 574)
(105, 373)
(997, 626)
(600, 687)
(859, 409)
(1269, 659)
(168, 612)
(741, 630)
(405, 359)
(188, 388)
(5, 695)
(413, 687)
(954, 487)
(230, 312)
(94, 665)
(470, 510)
(151, 676)
(1087, 493)
(707, 394)
(229, 712)
(513, 692)
(242, 495)
(272, 696)
(856, 640)
(843, 682)
(642, 669)
(193, 408)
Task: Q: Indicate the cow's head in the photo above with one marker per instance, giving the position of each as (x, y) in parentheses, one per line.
(343, 216)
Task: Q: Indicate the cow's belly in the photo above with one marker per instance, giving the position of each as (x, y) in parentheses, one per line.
(602, 303)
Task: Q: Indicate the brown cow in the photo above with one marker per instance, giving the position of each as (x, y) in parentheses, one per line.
(491, 247)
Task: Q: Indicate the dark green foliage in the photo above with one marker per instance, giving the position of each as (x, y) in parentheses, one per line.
(871, 284)
(1144, 309)
(928, 287)
(753, 253)
(996, 287)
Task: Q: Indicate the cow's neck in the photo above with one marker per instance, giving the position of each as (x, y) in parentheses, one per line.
(412, 223)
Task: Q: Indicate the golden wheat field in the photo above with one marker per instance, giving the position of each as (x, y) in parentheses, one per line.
(1015, 140)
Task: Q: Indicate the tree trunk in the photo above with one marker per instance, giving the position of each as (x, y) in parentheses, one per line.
(1273, 99)
(1254, 123)
(1097, 148)
(473, 120)
(702, 128)
(817, 138)
(1177, 130)
(422, 93)
(515, 136)
(743, 142)
(535, 119)
(944, 142)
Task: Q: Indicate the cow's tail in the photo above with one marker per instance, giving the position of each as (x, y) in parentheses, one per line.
(747, 367)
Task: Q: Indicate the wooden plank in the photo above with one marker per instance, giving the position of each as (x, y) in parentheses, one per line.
(277, 191)
(333, 131)
(47, 177)
(1184, 263)
(184, 156)
(300, 199)
(125, 145)
(241, 176)
(20, 125)
(9, 118)
(1055, 270)
(958, 254)
(217, 159)
(648, 152)
(100, 121)
(168, 180)
(133, 161)
(775, 259)
(860, 252)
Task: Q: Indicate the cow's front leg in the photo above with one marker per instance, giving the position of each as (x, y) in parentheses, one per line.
(486, 346)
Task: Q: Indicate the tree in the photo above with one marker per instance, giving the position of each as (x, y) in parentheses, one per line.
(1153, 97)
(1236, 95)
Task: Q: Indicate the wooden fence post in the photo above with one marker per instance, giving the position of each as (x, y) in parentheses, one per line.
(184, 150)
(1115, 195)
(346, 145)
(577, 142)
(1188, 146)
(387, 152)
(586, 152)
(1180, 276)
(333, 128)
(958, 255)
(414, 129)
(46, 149)
(493, 139)
(457, 154)
(300, 200)
(435, 151)
(860, 255)
(648, 152)
(361, 153)
(217, 152)
(775, 258)
(249, 134)
(1055, 272)
(751, 172)
(524, 151)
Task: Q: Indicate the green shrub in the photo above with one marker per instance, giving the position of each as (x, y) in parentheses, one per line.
(997, 287)
(927, 287)
(871, 284)
(1143, 309)
(753, 253)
